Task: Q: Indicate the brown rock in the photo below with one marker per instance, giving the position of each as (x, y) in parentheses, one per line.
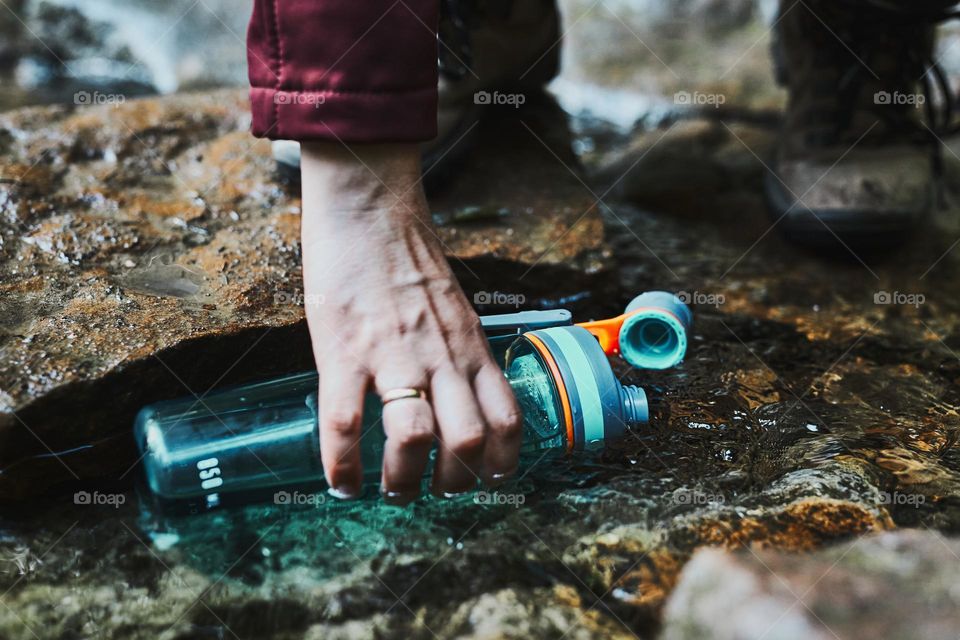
(895, 585)
(638, 564)
(542, 613)
(694, 168)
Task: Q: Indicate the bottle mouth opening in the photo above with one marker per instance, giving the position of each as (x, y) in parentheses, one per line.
(652, 340)
(656, 337)
(635, 405)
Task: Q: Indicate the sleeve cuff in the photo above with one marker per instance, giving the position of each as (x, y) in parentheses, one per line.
(408, 116)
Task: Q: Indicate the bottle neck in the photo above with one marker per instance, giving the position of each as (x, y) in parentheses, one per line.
(636, 412)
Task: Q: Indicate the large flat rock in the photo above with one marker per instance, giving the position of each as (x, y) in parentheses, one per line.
(147, 251)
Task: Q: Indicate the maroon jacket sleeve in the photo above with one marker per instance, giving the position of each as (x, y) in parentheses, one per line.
(349, 70)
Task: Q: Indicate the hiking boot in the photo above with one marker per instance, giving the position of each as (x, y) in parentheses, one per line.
(858, 159)
(489, 51)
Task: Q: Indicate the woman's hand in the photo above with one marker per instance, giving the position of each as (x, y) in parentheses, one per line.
(385, 312)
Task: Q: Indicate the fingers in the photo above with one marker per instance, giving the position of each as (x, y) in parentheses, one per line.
(462, 431)
(478, 423)
(409, 426)
(504, 425)
(480, 429)
(341, 410)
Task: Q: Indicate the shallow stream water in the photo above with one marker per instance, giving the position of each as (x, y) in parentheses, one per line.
(818, 401)
(803, 413)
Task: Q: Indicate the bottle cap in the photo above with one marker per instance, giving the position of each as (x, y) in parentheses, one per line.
(654, 333)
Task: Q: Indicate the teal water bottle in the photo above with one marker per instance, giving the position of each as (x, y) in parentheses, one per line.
(242, 444)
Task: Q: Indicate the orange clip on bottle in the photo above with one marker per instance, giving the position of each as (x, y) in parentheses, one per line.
(650, 334)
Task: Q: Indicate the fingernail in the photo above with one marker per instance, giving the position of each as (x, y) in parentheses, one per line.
(397, 498)
(455, 494)
(497, 479)
(343, 493)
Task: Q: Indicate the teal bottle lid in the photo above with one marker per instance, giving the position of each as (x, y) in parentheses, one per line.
(654, 334)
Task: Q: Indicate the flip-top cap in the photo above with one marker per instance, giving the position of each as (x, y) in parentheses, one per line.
(654, 335)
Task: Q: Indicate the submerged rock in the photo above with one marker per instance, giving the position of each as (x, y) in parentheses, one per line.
(147, 251)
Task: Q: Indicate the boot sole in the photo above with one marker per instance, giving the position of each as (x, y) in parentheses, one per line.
(839, 229)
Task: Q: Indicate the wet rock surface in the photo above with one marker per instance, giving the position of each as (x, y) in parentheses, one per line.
(811, 410)
(895, 585)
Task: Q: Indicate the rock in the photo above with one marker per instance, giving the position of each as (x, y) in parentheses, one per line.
(638, 563)
(898, 584)
(541, 613)
(717, 598)
(694, 166)
(147, 251)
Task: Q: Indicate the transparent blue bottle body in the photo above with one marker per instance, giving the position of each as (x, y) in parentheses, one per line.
(241, 444)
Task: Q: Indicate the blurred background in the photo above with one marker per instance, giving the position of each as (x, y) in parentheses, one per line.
(637, 53)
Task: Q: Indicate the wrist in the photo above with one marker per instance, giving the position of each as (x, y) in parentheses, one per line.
(360, 176)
